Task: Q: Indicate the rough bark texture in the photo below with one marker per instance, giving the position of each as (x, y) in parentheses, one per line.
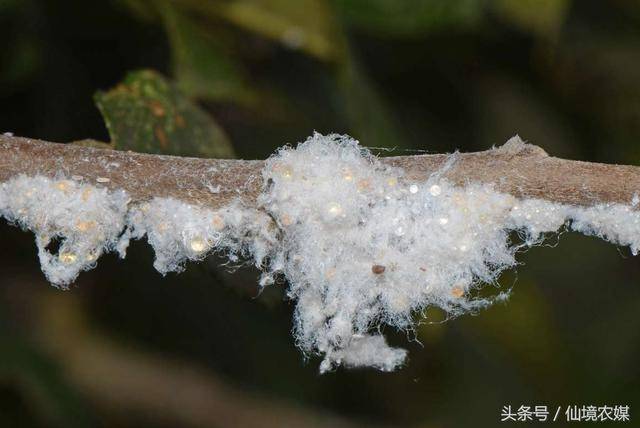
(522, 170)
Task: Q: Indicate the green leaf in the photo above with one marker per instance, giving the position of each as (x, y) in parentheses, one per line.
(503, 326)
(146, 113)
(201, 66)
(307, 25)
(408, 18)
(49, 399)
(541, 17)
(142, 9)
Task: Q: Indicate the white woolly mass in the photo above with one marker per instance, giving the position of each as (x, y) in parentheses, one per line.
(87, 220)
(179, 232)
(361, 246)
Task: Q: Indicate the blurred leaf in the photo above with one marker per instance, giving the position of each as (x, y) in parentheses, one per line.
(596, 75)
(524, 330)
(21, 62)
(146, 113)
(506, 106)
(542, 17)
(403, 18)
(8, 5)
(143, 9)
(37, 380)
(201, 67)
(370, 119)
(307, 25)
(20, 51)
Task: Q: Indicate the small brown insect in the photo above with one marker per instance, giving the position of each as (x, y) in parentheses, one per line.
(378, 269)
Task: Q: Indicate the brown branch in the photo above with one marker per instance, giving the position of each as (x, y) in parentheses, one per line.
(124, 380)
(522, 170)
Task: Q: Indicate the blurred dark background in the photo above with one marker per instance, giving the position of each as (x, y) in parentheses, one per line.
(129, 348)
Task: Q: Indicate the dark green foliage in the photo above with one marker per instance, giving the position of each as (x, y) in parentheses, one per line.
(146, 113)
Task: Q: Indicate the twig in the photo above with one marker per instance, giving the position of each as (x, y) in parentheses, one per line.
(522, 170)
(123, 380)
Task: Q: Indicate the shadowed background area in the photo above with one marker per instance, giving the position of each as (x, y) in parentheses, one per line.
(127, 347)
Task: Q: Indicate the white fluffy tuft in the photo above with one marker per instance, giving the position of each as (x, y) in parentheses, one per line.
(87, 220)
(360, 246)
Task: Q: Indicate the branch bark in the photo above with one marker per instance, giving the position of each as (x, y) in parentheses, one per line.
(123, 380)
(523, 170)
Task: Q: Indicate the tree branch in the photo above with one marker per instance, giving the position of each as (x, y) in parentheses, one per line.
(523, 170)
(122, 379)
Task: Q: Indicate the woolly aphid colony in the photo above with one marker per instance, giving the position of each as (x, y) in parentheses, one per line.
(359, 245)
